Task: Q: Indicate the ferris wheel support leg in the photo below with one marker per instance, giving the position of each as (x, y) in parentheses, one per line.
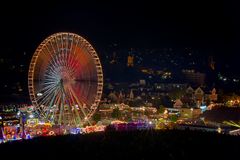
(85, 116)
(50, 105)
(61, 113)
(78, 118)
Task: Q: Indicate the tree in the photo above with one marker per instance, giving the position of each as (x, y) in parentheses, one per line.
(116, 113)
(156, 102)
(161, 109)
(97, 117)
(176, 94)
(129, 118)
(166, 101)
(136, 103)
(173, 118)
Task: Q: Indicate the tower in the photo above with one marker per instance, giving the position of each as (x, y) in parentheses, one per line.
(130, 61)
(131, 95)
(211, 63)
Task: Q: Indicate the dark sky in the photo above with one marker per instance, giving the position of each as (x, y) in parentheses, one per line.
(213, 27)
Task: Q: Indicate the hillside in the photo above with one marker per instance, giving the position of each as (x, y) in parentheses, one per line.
(171, 144)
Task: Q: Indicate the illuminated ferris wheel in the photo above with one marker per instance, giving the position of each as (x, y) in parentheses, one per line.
(65, 80)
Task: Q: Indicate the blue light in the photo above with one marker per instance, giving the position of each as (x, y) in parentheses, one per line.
(203, 108)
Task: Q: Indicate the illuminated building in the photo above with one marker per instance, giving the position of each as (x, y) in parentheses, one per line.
(130, 61)
(199, 96)
(213, 96)
(178, 104)
(142, 82)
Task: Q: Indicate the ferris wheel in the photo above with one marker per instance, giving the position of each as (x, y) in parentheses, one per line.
(65, 80)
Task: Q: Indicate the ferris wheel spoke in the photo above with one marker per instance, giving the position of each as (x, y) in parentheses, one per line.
(57, 103)
(50, 82)
(44, 89)
(83, 87)
(57, 55)
(80, 104)
(61, 109)
(84, 102)
(51, 79)
(65, 53)
(69, 51)
(62, 51)
(74, 112)
(46, 95)
(50, 105)
(54, 51)
(47, 53)
(52, 70)
(59, 52)
(53, 62)
(45, 100)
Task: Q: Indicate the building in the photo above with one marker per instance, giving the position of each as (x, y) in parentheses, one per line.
(194, 78)
(188, 98)
(213, 96)
(178, 104)
(194, 98)
(199, 94)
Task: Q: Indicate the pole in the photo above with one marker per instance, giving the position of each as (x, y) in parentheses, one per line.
(22, 123)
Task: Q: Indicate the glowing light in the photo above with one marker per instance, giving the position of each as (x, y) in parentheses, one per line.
(51, 133)
(39, 94)
(203, 108)
(31, 116)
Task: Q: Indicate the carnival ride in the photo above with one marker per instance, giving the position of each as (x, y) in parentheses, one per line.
(65, 80)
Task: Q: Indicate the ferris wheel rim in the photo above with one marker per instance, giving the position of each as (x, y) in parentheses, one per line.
(94, 56)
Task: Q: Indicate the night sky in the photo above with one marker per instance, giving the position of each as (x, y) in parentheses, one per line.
(212, 27)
